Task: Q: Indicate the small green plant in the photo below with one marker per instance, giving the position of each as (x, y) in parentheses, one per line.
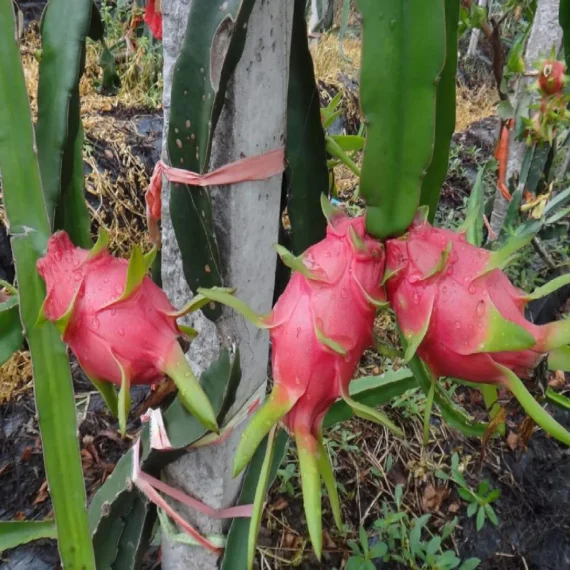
(287, 477)
(407, 541)
(479, 501)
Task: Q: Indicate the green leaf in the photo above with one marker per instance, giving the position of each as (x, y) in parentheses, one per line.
(307, 173)
(403, 53)
(480, 518)
(363, 541)
(11, 336)
(379, 550)
(349, 143)
(444, 114)
(198, 89)
(465, 494)
(16, 533)
(235, 553)
(434, 545)
(559, 359)
(476, 209)
(65, 25)
(557, 399)
(550, 287)
(472, 508)
(334, 149)
(505, 110)
(470, 564)
(491, 514)
(372, 391)
(29, 229)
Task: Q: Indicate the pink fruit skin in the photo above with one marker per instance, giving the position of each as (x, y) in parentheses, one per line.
(305, 369)
(460, 297)
(137, 331)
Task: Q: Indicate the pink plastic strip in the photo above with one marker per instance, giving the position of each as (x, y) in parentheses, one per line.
(155, 497)
(158, 437)
(259, 167)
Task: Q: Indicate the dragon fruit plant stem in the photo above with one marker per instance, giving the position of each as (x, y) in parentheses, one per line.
(465, 319)
(319, 328)
(118, 323)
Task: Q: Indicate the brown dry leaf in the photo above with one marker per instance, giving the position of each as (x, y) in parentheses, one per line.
(280, 504)
(328, 542)
(289, 540)
(26, 454)
(512, 440)
(454, 508)
(492, 428)
(20, 516)
(433, 497)
(557, 380)
(42, 494)
(525, 432)
(86, 459)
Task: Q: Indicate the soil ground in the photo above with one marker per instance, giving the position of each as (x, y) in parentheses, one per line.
(534, 475)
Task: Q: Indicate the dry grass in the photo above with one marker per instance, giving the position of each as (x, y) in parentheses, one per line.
(472, 106)
(15, 376)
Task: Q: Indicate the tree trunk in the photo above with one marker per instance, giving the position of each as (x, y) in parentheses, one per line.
(247, 219)
(545, 33)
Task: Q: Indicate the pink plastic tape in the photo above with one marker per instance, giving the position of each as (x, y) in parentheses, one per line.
(259, 167)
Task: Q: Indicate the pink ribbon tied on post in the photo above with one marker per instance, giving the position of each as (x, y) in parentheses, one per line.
(259, 167)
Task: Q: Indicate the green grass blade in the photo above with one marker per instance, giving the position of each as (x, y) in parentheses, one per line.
(29, 228)
(403, 52)
(16, 533)
(10, 329)
(444, 114)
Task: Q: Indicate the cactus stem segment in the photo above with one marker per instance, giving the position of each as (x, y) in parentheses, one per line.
(533, 408)
(190, 391)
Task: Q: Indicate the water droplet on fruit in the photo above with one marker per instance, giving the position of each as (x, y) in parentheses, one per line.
(187, 374)
(417, 297)
(122, 332)
(480, 308)
(106, 280)
(343, 293)
(457, 325)
(119, 289)
(76, 262)
(298, 331)
(58, 255)
(462, 237)
(472, 289)
(327, 253)
(77, 276)
(298, 381)
(96, 323)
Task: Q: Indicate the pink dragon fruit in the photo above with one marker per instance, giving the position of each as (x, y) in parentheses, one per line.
(118, 323)
(319, 328)
(456, 307)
